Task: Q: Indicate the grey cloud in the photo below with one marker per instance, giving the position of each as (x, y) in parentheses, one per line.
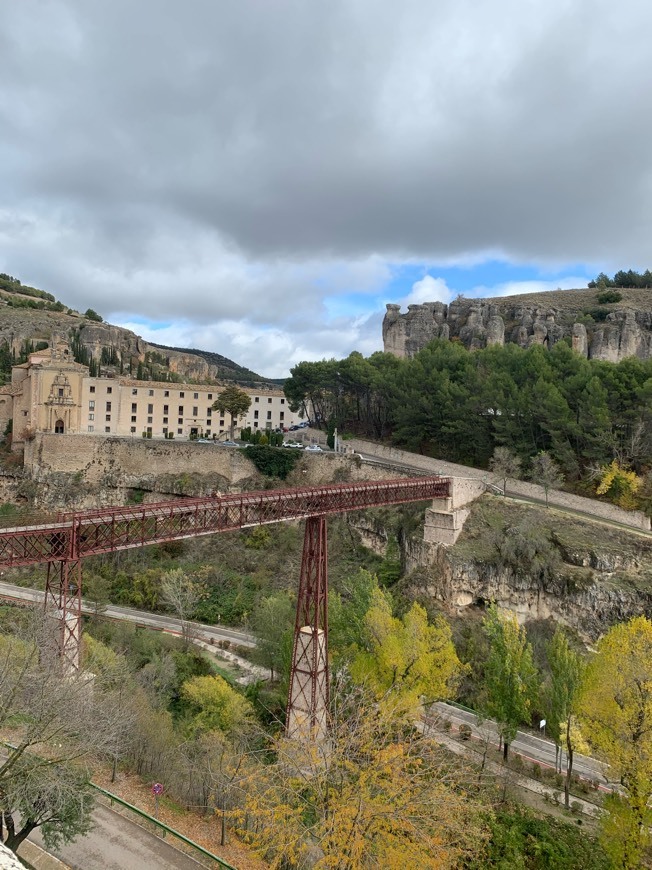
(198, 158)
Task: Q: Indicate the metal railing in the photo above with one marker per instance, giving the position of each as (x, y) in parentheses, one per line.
(195, 847)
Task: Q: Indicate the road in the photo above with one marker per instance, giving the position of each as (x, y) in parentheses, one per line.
(528, 746)
(117, 843)
(207, 633)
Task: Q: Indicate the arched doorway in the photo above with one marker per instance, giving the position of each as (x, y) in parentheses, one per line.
(58, 427)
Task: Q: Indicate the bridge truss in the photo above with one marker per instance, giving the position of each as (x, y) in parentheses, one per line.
(63, 544)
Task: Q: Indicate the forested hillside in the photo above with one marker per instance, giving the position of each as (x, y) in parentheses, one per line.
(458, 405)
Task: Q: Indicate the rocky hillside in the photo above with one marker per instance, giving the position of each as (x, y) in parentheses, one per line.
(600, 330)
(542, 564)
(30, 317)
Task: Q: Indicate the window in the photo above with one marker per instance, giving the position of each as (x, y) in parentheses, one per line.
(181, 409)
(107, 428)
(210, 396)
(269, 401)
(255, 425)
(108, 418)
(165, 431)
(209, 411)
(108, 406)
(91, 416)
(61, 392)
(165, 419)
(182, 395)
(91, 405)
(132, 430)
(92, 389)
(179, 431)
(282, 415)
(109, 390)
(255, 415)
(269, 415)
(149, 430)
(165, 409)
(91, 428)
(180, 420)
(134, 408)
(134, 391)
(166, 393)
(133, 419)
(257, 399)
(150, 409)
(208, 432)
(150, 420)
(151, 393)
(194, 411)
(195, 395)
(221, 422)
(282, 401)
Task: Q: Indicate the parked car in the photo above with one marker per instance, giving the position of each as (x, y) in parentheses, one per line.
(304, 424)
(293, 444)
(314, 448)
(203, 441)
(226, 444)
(293, 428)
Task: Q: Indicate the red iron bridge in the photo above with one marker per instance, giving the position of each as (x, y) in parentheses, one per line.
(64, 542)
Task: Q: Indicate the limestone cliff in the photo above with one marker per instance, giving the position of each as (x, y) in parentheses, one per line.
(125, 348)
(609, 332)
(598, 575)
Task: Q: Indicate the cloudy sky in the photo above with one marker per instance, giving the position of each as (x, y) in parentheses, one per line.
(260, 178)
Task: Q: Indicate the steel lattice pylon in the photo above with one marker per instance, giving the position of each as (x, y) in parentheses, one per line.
(63, 603)
(65, 541)
(309, 682)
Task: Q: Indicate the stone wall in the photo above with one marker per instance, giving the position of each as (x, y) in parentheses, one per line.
(87, 471)
(404, 460)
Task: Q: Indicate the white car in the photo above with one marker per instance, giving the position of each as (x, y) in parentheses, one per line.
(314, 448)
(292, 444)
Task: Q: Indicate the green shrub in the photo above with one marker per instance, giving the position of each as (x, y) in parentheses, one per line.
(609, 296)
(272, 461)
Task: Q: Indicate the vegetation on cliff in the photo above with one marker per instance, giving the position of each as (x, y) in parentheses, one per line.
(461, 406)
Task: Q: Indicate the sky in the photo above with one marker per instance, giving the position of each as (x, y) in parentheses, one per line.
(260, 179)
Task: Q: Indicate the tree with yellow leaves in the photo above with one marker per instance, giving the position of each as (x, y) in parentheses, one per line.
(374, 795)
(616, 713)
(619, 484)
(405, 658)
(215, 706)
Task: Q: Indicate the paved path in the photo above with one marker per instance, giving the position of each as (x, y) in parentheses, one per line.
(207, 633)
(117, 843)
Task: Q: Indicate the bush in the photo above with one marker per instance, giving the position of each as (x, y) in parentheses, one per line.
(609, 296)
(465, 731)
(272, 461)
(535, 771)
(576, 808)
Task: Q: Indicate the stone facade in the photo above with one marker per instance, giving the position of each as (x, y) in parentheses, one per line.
(625, 329)
(52, 393)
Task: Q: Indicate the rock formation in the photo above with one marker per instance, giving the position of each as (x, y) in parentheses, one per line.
(609, 332)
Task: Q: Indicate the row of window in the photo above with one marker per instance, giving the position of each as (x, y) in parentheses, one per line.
(150, 411)
(182, 395)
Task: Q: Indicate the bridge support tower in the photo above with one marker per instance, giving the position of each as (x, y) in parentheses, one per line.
(307, 710)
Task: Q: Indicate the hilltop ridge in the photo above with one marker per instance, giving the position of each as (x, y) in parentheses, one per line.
(606, 330)
(30, 317)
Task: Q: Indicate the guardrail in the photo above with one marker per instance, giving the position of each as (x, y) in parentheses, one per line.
(113, 798)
